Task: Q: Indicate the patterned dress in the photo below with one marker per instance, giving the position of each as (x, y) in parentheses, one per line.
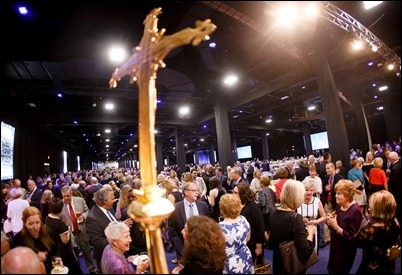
(375, 240)
(238, 255)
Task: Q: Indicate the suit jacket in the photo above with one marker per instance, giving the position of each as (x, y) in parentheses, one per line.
(394, 180)
(95, 225)
(79, 205)
(233, 184)
(179, 219)
(223, 180)
(324, 193)
(36, 198)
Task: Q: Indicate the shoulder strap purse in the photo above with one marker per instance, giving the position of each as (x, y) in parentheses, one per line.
(290, 259)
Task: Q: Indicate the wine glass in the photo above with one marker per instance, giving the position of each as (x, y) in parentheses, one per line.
(57, 261)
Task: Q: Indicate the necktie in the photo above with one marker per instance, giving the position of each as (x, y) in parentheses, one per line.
(191, 210)
(330, 182)
(111, 216)
(73, 218)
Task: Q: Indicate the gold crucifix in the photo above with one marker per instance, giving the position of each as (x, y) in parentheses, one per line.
(151, 209)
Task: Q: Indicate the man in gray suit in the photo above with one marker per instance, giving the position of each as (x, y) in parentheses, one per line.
(80, 211)
(184, 209)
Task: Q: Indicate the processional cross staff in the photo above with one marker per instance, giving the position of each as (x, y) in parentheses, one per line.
(151, 209)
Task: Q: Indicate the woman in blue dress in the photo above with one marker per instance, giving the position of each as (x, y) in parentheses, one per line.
(237, 232)
(355, 174)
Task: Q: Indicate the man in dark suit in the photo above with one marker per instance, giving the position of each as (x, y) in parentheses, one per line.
(220, 176)
(394, 182)
(91, 190)
(34, 194)
(80, 212)
(98, 219)
(184, 209)
(328, 197)
(249, 171)
(321, 167)
(236, 178)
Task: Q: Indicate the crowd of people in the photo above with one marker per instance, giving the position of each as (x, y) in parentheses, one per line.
(222, 221)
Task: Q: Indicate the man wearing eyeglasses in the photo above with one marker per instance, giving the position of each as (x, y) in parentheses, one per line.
(200, 184)
(185, 209)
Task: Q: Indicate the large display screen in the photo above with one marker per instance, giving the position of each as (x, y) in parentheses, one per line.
(244, 152)
(7, 151)
(319, 141)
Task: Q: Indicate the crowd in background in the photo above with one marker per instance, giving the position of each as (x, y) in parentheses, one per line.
(223, 217)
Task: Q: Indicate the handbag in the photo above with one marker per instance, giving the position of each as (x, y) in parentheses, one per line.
(263, 268)
(290, 259)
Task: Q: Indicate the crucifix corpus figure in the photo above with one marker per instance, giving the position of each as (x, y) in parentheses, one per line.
(151, 209)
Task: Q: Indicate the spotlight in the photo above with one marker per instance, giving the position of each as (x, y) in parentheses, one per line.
(391, 66)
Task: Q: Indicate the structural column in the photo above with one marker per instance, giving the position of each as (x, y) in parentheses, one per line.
(212, 155)
(265, 147)
(159, 156)
(307, 138)
(336, 129)
(223, 133)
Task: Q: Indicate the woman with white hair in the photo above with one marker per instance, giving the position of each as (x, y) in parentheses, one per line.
(15, 208)
(312, 209)
(113, 259)
(286, 225)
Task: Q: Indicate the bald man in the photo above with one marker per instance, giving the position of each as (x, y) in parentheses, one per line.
(21, 260)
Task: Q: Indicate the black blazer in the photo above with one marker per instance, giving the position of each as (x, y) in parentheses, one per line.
(36, 198)
(223, 180)
(95, 225)
(179, 219)
(324, 193)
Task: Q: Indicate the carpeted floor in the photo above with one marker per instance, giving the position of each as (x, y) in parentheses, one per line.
(319, 268)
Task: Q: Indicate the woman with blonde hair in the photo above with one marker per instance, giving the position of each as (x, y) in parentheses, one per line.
(237, 233)
(378, 235)
(123, 200)
(378, 178)
(343, 225)
(187, 177)
(255, 183)
(266, 200)
(47, 196)
(285, 225)
(173, 177)
(355, 174)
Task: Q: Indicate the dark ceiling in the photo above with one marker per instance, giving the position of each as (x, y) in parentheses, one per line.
(63, 48)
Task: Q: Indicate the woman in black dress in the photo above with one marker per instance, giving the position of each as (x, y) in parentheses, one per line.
(60, 234)
(379, 234)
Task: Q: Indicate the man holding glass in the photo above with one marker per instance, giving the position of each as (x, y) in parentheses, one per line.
(74, 213)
